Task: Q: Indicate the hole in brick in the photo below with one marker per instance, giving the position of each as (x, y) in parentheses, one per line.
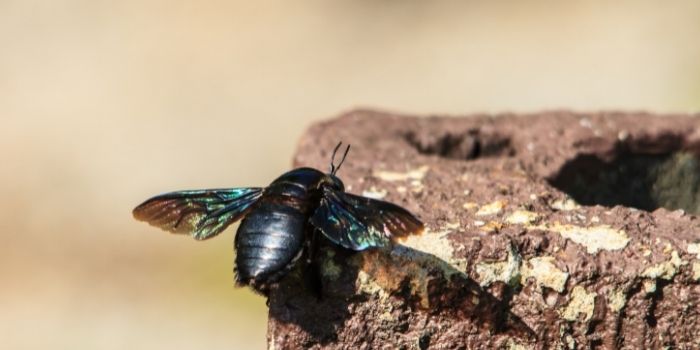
(462, 146)
(644, 181)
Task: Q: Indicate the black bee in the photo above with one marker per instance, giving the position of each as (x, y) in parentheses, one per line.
(281, 223)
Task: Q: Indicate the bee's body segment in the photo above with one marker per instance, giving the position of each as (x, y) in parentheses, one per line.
(272, 236)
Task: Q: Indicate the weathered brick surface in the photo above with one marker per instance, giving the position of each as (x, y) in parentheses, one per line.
(509, 260)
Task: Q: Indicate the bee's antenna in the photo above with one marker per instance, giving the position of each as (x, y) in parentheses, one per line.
(334, 168)
(347, 149)
(333, 157)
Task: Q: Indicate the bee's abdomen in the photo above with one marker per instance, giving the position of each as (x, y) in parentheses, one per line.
(269, 240)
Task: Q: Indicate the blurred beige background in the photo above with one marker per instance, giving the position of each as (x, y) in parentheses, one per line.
(106, 103)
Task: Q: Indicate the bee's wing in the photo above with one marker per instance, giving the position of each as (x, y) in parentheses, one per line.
(200, 213)
(358, 223)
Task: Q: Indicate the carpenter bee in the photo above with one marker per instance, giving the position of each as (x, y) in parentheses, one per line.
(282, 222)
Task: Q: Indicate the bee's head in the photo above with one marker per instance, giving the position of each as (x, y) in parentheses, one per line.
(335, 182)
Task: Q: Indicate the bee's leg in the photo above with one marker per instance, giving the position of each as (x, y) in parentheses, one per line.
(313, 265)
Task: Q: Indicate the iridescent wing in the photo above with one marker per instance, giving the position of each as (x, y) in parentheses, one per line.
(200, 213)
(358, 223)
